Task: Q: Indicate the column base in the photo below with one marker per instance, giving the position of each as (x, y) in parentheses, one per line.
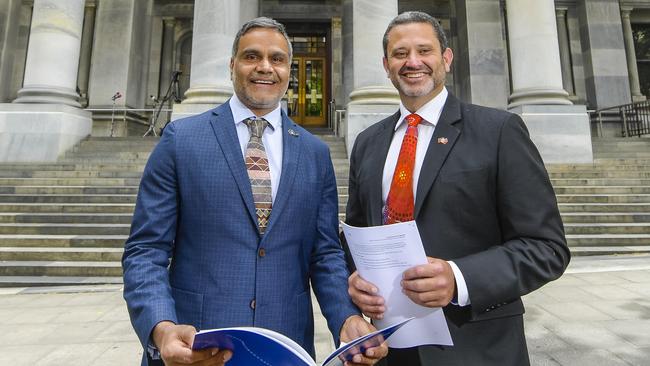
(374, 95)
(639, 98)
(40, 132)
(183, 110)
(207, 95)
(48, 95)
(360, 116)
(538, 96)
(560, 132)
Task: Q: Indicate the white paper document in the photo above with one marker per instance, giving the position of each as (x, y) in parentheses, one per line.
(382, 254)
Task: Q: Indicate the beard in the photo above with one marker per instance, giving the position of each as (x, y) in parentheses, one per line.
(436, 79)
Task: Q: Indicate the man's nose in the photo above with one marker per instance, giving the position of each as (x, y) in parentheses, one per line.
(413, 60)
(264, 65)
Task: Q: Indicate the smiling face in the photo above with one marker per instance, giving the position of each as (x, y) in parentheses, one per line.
(415, 63)
(260, 69)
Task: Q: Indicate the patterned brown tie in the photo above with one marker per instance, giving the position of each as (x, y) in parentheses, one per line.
(259, 172)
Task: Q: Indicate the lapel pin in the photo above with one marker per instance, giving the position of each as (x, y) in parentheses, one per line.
(443, 140)
(292, 132)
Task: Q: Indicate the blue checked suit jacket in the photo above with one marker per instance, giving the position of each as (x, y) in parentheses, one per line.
(193, 253)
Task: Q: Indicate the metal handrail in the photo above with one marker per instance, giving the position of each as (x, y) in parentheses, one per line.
(634, 118)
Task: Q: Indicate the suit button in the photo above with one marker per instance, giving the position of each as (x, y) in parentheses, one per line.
(252, 304)
(261, 252)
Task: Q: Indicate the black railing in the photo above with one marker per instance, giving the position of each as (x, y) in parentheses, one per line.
(634, 118)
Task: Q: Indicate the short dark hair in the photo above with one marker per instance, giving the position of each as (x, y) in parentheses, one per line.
(416, 17)
(261, 22)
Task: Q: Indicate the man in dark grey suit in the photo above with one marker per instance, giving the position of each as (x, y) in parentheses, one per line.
(483, 203)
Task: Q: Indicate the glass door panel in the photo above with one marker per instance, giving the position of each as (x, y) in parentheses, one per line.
(306, 97)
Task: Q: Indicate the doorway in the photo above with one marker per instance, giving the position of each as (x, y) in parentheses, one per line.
(306, 97)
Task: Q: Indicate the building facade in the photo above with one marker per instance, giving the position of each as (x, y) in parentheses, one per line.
(69, 68)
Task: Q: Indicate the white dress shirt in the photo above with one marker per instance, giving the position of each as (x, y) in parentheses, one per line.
(271, 138)
(430, 113)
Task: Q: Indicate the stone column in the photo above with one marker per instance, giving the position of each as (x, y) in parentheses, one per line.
(607, 80)
(53, 53)
(373, 97)
(120, 61)
(632, 70)
(481, 58)
(560, 130)
(215, 26)
(9, 24)
(249, 9)
(167, 55)
(534, 53)
(45, 121)
(86, 51)
(565, 51)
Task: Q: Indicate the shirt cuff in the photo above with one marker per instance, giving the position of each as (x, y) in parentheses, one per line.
(462, 298)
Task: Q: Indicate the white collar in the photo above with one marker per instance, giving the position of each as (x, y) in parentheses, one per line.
(430, 112)
(241, 113)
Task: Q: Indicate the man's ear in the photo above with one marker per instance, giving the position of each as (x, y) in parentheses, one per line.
(385, 63)
(232, 64)
(448, 57)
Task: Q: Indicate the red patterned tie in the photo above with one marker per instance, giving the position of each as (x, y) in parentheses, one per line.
(400, 202)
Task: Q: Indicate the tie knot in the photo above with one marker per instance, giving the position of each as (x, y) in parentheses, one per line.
(413, 119)
(256, 126)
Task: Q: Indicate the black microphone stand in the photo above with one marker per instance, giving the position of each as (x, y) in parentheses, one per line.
(172, 92)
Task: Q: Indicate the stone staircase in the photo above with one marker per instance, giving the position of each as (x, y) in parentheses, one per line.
(66, 222)
(605, 206)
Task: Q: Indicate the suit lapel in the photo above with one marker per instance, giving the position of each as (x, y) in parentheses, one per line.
(376, 164)
(442, 141)
(223, 126)
(291, 155)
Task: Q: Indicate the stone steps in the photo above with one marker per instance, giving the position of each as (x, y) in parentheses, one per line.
(117, 208)
(64, 229)
(66, 240)
(68, 198)
(602, 190)
(41, 190)
(61, 254)
(40, 281)
(605, 217)
(61, 268)
(66, 223)
(65, 218)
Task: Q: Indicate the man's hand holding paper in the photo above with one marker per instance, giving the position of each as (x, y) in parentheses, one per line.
(395, 280)
(431, 285)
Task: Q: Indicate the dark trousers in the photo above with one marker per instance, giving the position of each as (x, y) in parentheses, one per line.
(401, 357)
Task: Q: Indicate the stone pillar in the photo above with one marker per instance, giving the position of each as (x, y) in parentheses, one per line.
(337, 60)
(215, 26)
(86, 51)
(120, 61)
(373, 97)
(606, 74)
(635, 87)
(534, 54)
(167, 56)
(44, 121)
(560, 130)
(249, 9)
(53, 53)
(565, 50)
(9, 22)
(481, 57)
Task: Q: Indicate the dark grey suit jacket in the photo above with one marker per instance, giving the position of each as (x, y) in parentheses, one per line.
(484, 200)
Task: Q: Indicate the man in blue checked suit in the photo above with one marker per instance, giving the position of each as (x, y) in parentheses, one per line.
(236, 216)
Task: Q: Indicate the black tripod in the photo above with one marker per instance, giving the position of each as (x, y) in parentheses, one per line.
(172, 92)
